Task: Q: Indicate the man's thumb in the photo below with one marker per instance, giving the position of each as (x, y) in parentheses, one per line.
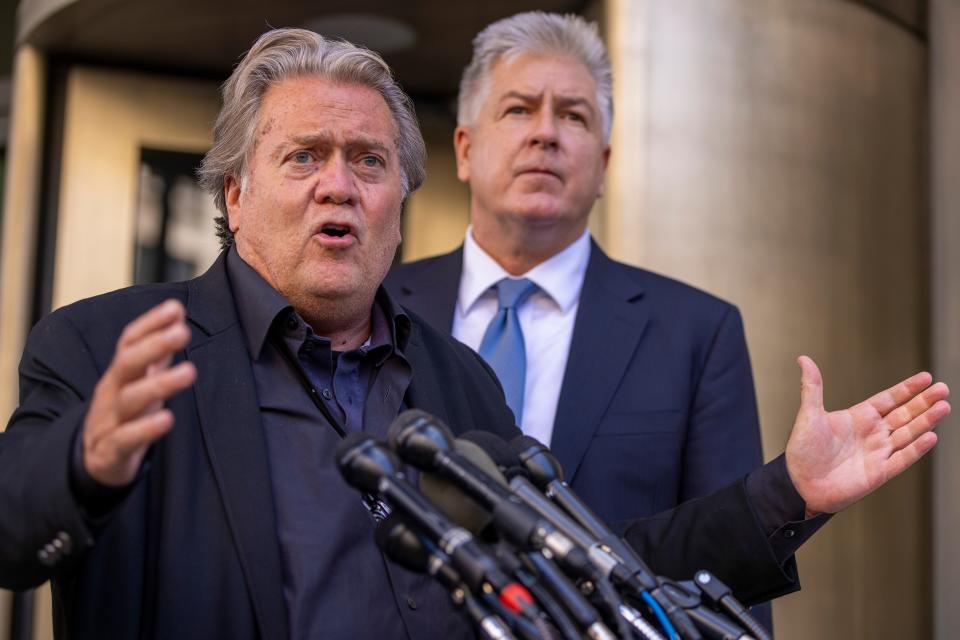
(811, 384)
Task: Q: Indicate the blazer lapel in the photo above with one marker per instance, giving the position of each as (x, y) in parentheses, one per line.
(426, 391)
(231, 428)
(611, 318)
(429, 288)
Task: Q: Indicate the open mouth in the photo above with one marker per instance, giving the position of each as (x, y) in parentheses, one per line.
(335, 230)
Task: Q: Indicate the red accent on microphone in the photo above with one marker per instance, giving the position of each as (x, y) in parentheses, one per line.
(516, 597)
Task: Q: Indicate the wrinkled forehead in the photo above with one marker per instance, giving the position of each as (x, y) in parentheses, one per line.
(536, 72)
(315, 109)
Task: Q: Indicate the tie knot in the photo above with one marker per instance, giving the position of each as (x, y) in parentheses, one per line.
(512, 292)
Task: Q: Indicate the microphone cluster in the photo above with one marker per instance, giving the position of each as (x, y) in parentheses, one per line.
(518, 551)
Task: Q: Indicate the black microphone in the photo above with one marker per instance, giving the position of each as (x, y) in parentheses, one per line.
(545, 472)
(425, 442)
(499, 453)
(502, 456)
(415, 552)
(720, 596)
(372, 468)
(581, 613)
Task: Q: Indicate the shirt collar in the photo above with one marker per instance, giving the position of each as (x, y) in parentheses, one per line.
(259, 305)
(560, 276)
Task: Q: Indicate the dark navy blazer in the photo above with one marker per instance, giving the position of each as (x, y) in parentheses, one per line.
(657, 404)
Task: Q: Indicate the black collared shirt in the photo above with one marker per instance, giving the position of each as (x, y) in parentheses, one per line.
(335, 579)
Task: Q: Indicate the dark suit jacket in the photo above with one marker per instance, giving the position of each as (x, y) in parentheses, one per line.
(657, 404)
(192, 551)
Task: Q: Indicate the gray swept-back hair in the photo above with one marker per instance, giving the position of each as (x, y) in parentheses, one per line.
(536, 32)
(283, 54)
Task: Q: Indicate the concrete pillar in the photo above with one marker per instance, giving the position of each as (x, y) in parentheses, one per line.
(21, 198)
(773, 152)
(945, 310)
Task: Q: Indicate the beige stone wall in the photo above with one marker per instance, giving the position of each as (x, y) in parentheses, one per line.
(110, 116)
(436, 216)
(945, 312)
(772, 152)
(20, 210)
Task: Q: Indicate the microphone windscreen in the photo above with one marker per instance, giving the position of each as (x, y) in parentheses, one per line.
(454, 503)
(541, 465)
(498, 450)
(396, 539)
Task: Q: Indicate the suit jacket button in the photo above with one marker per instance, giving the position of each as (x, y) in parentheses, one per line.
(45, 558)
(411, 602)
(66, 542)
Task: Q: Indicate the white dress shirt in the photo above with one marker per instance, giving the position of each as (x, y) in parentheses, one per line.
(546, 319)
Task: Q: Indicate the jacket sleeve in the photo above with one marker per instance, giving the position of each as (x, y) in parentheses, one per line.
(723, 433)
(43, 531)
(720, 533)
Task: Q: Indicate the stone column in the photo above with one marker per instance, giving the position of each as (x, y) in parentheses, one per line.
(773, 153)
(945, 311)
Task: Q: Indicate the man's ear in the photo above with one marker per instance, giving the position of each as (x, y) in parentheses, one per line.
(605, 160)
(231, 196)
(461, 146)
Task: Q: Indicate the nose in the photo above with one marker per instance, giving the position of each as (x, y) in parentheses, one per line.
(336, 183)
(545, 132)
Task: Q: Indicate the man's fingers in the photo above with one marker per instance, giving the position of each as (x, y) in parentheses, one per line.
(115, 457)
(924, 422)
(917, 405)
(889, 399)
(137, 396)
(131, 361)
(811, 384)
(136, 435)
(904, 458)
(163, 314)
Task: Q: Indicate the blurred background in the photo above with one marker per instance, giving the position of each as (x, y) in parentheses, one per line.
(800, 158)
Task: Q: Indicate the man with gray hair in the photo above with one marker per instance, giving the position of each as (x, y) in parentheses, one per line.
(641, 384)
(170, 466)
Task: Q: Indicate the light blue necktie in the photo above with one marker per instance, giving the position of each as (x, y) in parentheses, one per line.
(502, 346)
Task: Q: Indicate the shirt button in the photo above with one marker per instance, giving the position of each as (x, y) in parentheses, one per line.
(292, 322)
(789, 533)
(411, 602)
(327, 394)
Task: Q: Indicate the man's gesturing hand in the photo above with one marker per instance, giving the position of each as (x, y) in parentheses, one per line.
(126, 413)
(836, 458)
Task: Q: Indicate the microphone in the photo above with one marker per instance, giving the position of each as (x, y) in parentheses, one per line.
(581, 613)
(498, 452)
(372, 468)
(412, 551)
(720, 596)
(425, 442)
(545, 472)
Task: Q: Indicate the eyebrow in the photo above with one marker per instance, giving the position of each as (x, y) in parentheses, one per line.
(324, 138)
(563, 101)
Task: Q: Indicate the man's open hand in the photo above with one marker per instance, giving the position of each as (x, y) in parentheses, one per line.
(126, 413)
(836, 458)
